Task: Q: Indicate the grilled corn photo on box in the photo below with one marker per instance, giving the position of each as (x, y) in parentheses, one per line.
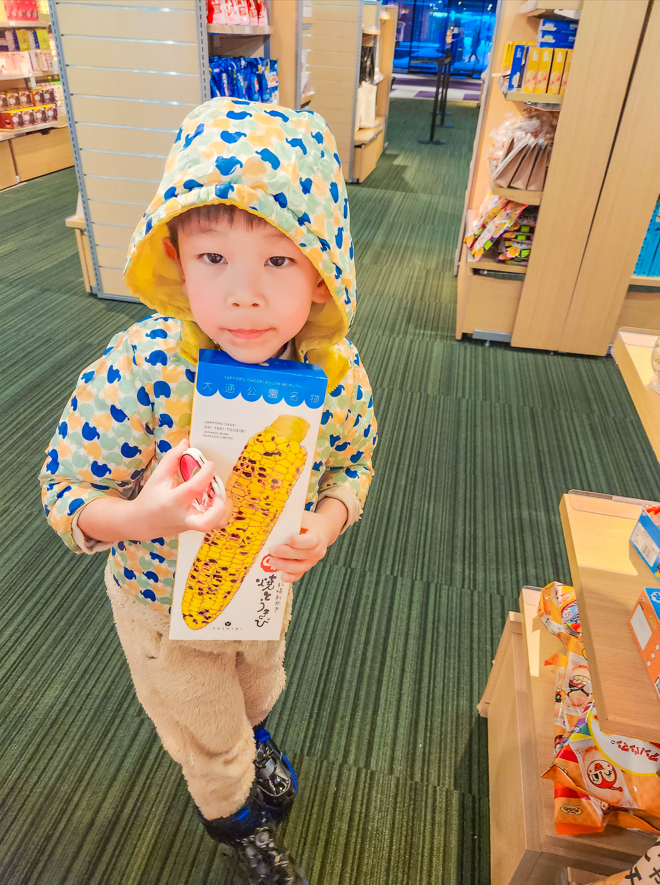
(259, 425)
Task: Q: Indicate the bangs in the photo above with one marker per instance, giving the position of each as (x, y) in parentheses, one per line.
(203, 218)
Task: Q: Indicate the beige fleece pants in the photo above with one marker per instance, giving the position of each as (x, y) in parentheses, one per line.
(203, 697)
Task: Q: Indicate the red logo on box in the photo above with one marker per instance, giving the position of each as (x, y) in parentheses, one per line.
(266, 564)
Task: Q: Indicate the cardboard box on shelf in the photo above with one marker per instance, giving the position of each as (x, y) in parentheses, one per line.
(645, 537)
(558, 41)
(567, 67)
(25, 99)
(259, 425)
(543, 74)
(520, 51)
(645, 626)
(556, 71)
(557, 25)
(531, 69)
(11, 120)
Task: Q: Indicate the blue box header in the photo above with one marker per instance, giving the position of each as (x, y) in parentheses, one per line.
(273, 381)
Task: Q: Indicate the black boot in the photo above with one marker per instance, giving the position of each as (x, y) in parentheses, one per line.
(274, 775)
(264, 859)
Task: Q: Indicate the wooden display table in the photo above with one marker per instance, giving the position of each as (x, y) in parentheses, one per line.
(77, 222)
(519, 703)
(632, 352)
(608, 582)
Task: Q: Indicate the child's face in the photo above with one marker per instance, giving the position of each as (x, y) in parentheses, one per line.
(249, 290)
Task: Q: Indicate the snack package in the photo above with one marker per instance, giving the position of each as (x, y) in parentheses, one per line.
(216, 13)
(243, 12)
(232, 12)
(259, 425)
(599, 778)
(263, 13)
(487, 211)
(506, 215)
(11, 120)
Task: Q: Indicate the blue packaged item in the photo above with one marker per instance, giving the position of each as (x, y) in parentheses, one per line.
(273, 84)
(253, 74)
(649, 250)
(517, 66)
(556, 39)
(557, 25)
(645, 538)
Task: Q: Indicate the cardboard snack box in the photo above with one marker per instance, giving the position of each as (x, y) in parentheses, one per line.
(645, 627)
(543, 74)
(567, 68)
(531, 69)
(556, 71)
(259, 425)
(519, 55)
(645, 537)
(11, 120)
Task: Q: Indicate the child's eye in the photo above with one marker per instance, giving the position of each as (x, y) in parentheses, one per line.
(278, 261)
(214, 258)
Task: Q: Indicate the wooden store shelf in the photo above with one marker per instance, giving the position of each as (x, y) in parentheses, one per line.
(370, 32)
(22, 76)
(307, 96)
(519, 704)
(536, 97)
(485, 263)
(8, 134)
(364, 136)
(15, 24)
(608, 582)
(240, 30)
(632, 352)
(532, 198)
(651, 282)
(543, 7)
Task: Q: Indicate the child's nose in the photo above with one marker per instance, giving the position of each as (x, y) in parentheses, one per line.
(246, 296)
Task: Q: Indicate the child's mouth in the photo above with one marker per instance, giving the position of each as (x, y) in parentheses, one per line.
(247, 334)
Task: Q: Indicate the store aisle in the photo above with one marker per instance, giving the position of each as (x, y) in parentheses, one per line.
(393, 635)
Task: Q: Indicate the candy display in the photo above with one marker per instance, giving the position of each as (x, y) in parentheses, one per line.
(599, 778)
(254, 79)
(499, 225)
(251, 13)
(542, 67)
(19, 11)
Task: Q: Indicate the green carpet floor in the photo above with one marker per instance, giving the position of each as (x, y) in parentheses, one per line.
(393, 635)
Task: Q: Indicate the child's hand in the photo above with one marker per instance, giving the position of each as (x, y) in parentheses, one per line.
(319, 530)
(165, 506)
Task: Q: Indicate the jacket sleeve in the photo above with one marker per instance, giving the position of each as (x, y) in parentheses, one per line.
(348, 468)
(103, 443)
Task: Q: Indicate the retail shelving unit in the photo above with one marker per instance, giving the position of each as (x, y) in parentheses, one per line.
(632, 352)
(131, 73)
(519, 705)
(608, 581)
(560, 306)
(34, 150)
(334, 40)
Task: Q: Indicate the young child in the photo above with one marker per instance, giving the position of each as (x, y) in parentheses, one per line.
(245, 247)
